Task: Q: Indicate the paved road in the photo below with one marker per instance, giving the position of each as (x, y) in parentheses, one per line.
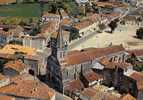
(81, 40)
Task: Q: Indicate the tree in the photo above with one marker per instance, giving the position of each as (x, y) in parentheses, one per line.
(113, 25)
(53, 8)
(101, 27)
(139, 33)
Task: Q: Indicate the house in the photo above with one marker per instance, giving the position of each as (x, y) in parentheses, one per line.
(81, 2)
(10, 33)
(37, 42)
(90, 78)
(88, 94)
(4, 2)
(128, 97)
(50, 17)
(28, 55)
(13, 49)
(13, 68)
(4, 80)
(115, 74)
(63, 14)
(28, 87)
(138, 77)
(73, 88)
(86, 25)
(49, 28)
(110, 7)
(93, 93)
(130, 19)
(5, 37)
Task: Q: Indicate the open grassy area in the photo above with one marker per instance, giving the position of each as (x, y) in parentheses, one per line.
(21, 10)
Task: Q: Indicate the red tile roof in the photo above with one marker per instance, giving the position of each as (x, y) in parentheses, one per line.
(89, 92)
(111, 4)
(113, 64)
(6, 98)
(17, 65)
(95, 94)
(91, 76)
(49, 28)
(2, 77)
(138, 76)
(28, 88)
(87, 21)
(128, 97)
(74, 85)
(91, 54)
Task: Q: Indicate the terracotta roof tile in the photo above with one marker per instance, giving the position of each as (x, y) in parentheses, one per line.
(17, 65)
(91, 54)
(28, 88)
(89, 92)
(138, 76)
(87, 21)
(113, 64)
(91, 76)
(49, 28)
(74, 85)
(111, 4)
(54, 34)
(128, 97)
(2, 77)
(12, 49)
(66, 21)
(6, 98)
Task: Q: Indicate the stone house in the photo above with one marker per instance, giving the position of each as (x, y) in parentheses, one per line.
(90, 78)
(98, 93)
(49, 28)
(86, 25)
(63, 14)
(27, 87)
(37, 42)
(128, 96)
(81, 2)
(13, 68)
(73, 88)
(138, 78)
(35, 61)
(115, 75)
(4, 80)
(110, 7)
(10, 34)
(47, 17)
(5, 37)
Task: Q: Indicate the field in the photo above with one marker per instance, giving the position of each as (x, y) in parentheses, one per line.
(21, 10)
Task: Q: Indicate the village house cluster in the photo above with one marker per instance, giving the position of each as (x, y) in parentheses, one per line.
(43, 67)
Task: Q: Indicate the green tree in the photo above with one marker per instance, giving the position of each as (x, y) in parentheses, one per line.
(113, 25)
(139, 33)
